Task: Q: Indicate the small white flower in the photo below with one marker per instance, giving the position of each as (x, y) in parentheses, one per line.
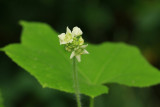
(77, 31)
(78, 52)
(66, 38)
(73, 42)
(78, 57)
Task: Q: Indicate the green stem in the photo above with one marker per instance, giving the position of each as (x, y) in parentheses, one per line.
(91, 102)
(75, 77)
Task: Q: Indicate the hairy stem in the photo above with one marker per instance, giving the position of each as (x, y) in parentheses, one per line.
(91, 102)
(75, 78)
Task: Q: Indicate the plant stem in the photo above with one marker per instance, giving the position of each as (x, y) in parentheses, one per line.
(91, 102)
(75, 78)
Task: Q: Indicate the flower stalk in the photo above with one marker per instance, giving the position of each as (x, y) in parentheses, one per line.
(75, 79)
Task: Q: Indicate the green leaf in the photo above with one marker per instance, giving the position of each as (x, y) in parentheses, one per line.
(1, 100)
(42, 56)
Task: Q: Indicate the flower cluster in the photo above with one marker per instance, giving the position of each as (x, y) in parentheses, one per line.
(73, 42)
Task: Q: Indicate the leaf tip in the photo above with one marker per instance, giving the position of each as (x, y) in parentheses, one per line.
(1, 49)
(22, 22)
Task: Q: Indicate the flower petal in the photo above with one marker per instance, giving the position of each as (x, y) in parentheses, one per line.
(68, 31)
(77, 31)
(72, 55)
(62, 38)
(85, 52)
(83, 46)
(78, 58)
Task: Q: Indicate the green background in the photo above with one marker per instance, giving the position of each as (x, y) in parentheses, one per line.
(135, 22)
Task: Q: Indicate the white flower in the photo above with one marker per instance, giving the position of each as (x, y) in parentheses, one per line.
(73, 42)
(77, 31)
(78, 52)
(66, 38)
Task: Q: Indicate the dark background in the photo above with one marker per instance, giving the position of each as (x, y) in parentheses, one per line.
(135, 22)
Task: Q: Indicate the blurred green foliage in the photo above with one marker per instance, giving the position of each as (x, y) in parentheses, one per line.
(1, 100)
(132, 21)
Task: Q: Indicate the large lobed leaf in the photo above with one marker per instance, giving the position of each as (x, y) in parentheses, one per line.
(42, 56)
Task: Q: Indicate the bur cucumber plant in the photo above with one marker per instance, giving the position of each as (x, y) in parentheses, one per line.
(73, 42)
(47, 55)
